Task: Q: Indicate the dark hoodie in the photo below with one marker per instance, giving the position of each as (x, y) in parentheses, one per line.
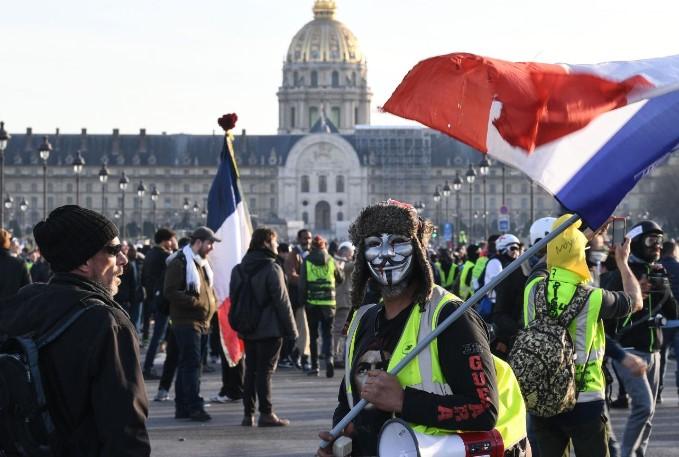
(318, 257)
(270, 292)
(91, 374)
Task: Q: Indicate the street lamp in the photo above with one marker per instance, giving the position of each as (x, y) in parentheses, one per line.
(124, 181)
(4, 139)
(457, 186)
(154, 198)
(78, 163)
(437, 199)
(103, 179)
(484, 166)
(23, 206)
(141, 190)
(44, 150)
(203, 214)
(470, 175)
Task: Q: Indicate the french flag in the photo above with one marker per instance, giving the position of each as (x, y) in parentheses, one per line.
(585, 133)
(230, 220)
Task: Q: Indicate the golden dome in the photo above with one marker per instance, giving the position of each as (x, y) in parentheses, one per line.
(324, 39)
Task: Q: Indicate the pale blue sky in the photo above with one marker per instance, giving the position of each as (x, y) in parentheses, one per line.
(175, 66)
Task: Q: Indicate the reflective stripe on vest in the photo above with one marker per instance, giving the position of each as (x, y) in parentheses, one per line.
(586, 330)
(320, 283)
(424, 371)
(466, 289)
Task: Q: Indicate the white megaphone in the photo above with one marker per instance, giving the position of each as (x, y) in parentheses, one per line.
(398, 439)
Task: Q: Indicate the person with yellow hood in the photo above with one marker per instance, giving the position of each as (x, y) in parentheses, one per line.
(584, 425)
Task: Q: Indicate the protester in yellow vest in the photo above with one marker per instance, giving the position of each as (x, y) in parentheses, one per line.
(454, 385)
(318, 277)
(446, 268)
(584, 425)
(463, 283)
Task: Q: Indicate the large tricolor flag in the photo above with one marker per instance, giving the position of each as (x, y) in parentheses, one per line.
(229, 218)
(586, 133)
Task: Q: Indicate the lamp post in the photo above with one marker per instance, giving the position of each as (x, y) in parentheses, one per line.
(437, 200)
(446, 194)
(8, 205)
(4, 139)
(141, 190)
(470, 175)
(154, 199)
(44, 150)
(484, 166)
(457, 186)
(203, 215)
(123, 183)
(78, 163)
(187, 216)
(532, 200)
(23, 206)
(103, 179)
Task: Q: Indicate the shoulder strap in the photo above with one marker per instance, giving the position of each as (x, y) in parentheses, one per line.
(575, 306)
(52, 335)
(540, 299)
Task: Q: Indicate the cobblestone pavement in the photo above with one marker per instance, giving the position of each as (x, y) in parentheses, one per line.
(308, 403)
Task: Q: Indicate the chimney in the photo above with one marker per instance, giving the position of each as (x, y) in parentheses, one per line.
(115, 142)
(83, 139)
(28, 142)
(142, 140)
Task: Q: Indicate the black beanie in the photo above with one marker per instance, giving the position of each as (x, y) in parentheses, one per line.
(71, 235)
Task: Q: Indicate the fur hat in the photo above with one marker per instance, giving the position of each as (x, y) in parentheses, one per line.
(399, 218)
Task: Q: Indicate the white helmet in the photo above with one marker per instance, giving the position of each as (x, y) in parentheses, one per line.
(540, 229)
(506, 240)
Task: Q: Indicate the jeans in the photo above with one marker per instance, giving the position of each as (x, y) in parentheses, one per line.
(171, 359)
(589, 438)
(158, 334)
(670, 339)
(135, 312)
(323, 316)
(642, 391)
(192, 344)
(261, 357)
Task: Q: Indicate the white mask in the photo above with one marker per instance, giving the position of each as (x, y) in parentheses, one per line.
(389, 257)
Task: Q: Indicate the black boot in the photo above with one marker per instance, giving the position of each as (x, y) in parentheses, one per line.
(329, 367)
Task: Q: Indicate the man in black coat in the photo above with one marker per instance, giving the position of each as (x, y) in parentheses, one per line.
(263, 345)
(13, 271)
(91, 374)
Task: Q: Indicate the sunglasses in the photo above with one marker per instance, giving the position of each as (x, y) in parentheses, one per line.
(113, 250)
(653, 240)
(514, 248)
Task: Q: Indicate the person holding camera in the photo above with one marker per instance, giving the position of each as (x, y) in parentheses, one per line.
(642, 331)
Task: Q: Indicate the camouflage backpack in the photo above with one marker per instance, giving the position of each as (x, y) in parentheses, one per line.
(543, 356)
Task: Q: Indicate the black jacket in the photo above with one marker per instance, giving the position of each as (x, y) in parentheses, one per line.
(91, 374)
(268, 284)
(153, 273)
(639, 332)
(13, 274)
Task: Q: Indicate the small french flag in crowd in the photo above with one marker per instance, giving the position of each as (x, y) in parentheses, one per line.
(585, 133)
(229, 218)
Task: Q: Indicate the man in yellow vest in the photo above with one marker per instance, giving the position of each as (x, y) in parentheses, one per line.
(454, 385)
(463, 284)
(318, 279)
(447, 269)
(584, 425)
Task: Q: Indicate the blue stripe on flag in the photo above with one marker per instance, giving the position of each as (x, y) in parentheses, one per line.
(598, 187)
(224, 194)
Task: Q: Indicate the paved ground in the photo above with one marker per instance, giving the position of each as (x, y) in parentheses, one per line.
(308, 403)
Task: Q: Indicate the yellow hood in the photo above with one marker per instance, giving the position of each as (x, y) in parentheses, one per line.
(567, 250)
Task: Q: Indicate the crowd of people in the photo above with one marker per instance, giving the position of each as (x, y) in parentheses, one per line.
(360, 305)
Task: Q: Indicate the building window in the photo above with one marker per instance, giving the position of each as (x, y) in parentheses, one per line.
(508, 188)
(272, 204)
(322, 184)
(168, 203)
(305, 184)
(335, 79)
(339, 184)
(292, 117)
(340, 216)
(295, 78)
(313, 115)
(88, 187)
(305, 218)
(17, 187)
(187, 188)
(335, 115)
(493, 188)
(314, 78)
(88, 202)
(524, 188)
(253, 203)
(524, 203)
(272, 186)
(69, 187)
(356, 115)
(34, 187)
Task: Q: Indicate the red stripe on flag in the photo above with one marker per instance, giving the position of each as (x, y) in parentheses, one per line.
(232, 345)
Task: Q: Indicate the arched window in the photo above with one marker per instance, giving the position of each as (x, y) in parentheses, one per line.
(314, 78)
(292, 117)
(340, 216)
(305, 183)
(322, 213)
(335, 79)
(295, 78)
(339, 184)
(322, 184)
(305, 218)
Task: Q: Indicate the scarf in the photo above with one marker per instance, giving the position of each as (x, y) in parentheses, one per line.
(192, 276)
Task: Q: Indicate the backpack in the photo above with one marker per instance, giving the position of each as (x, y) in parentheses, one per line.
(26, 427)
(543, 357)
(245, 311)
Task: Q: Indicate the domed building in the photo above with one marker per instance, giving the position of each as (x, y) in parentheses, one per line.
(324, 74)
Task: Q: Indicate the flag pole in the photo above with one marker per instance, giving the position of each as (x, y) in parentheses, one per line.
(536, 248)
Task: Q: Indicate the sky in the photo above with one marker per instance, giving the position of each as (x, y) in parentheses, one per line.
(175, 66)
